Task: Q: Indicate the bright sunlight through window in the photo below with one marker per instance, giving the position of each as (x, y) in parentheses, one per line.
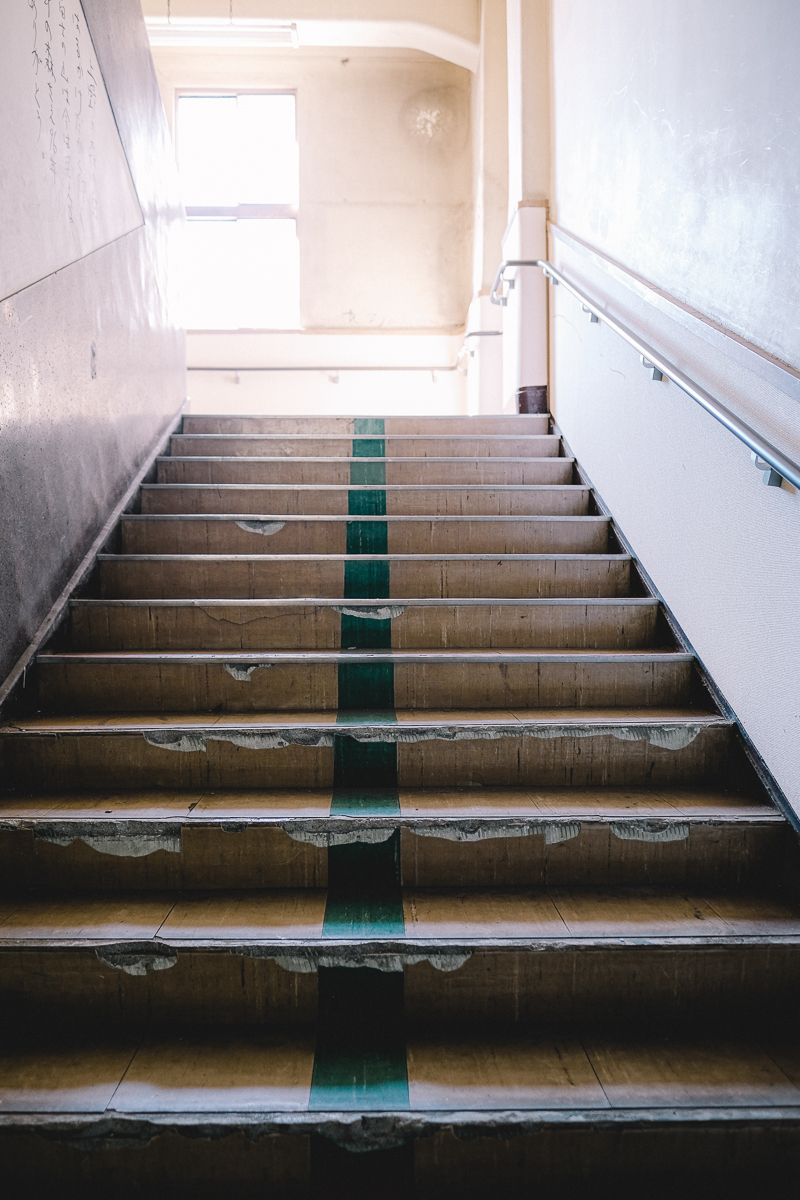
(237, 158)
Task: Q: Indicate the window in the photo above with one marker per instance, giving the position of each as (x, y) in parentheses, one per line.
(237, 158)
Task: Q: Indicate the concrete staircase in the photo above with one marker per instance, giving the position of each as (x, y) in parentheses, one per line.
(369, 832)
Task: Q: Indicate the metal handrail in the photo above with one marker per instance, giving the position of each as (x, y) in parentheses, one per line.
(465, 349)
(766, 457)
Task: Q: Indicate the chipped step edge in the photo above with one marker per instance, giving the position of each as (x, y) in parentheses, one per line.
(120, 840)
(368, 1130)
(388, 955)
(359, 608)
(676, 735)
(139, 959)
(666, 736)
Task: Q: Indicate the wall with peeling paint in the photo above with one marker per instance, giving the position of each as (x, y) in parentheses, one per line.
(676, 143)
(92, 362)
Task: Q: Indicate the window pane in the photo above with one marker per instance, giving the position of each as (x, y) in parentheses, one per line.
(207, 149)
(267, 150)
(237, 150)
(241, 275)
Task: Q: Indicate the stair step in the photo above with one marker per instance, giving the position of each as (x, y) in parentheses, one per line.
(170, 681)
(501, 423)
(262, 958)
(478, 837)
(517, 445)
(439, 920)
(342, 471)
(341, 499)
(588, 623)
(575, 1070)
(369, 576)
(660, 747)
(279, 533)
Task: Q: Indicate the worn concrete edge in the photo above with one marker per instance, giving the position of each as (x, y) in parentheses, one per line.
(360, 1130)
(60, 608)
(774, 371)
(305, 955)
(765, 776)
(349, 519)
(336, 603)
(76, 828)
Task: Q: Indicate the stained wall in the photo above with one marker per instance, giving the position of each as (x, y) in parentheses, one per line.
(91, 358)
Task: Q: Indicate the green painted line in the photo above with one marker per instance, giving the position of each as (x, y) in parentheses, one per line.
(360, 1060)
(368, 580)
(362, 633)
(367, 537)
(366, 504)
(363, 686)
(369, 448)
(367, 425)
(368, 472)
(364, 764)
(364, 898)
(361, 716)
(365, 802)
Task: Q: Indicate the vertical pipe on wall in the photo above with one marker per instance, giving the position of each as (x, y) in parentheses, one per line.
(525, 357)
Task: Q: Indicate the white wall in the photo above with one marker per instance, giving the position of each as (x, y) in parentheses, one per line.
(347, 393)
(678, 139)
(677, 130)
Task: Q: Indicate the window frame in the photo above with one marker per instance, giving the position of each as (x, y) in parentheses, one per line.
(239, 212)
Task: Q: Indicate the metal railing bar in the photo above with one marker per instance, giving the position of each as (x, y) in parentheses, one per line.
(766, 457)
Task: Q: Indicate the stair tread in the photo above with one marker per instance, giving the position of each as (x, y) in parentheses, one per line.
(299, 518)
(339, 602)
(313, 806)
(555, 1072)
(339, 459)
(505, 719)
(368, 487)
(380, 437)
(474, 803)
(366, 656)
(501, 557)
(443, 917)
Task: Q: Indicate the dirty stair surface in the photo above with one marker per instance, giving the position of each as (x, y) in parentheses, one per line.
(370, 800)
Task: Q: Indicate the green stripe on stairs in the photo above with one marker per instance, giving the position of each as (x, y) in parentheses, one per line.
(360, 1060)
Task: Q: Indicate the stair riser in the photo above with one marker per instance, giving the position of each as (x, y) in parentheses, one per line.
(129, 761)
(711, 856)
(200, 989)
(732, 1158)
(259, 578)
(520, 423)
(549, 535)
(567, 502)
(231, 627)
(502, 987)
(299, 687)
(545, 446)
(420, 471)
(637, 984)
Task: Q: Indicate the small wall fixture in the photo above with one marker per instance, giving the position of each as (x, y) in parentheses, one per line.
(772, 478)
(651, 366)
(593, 317)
